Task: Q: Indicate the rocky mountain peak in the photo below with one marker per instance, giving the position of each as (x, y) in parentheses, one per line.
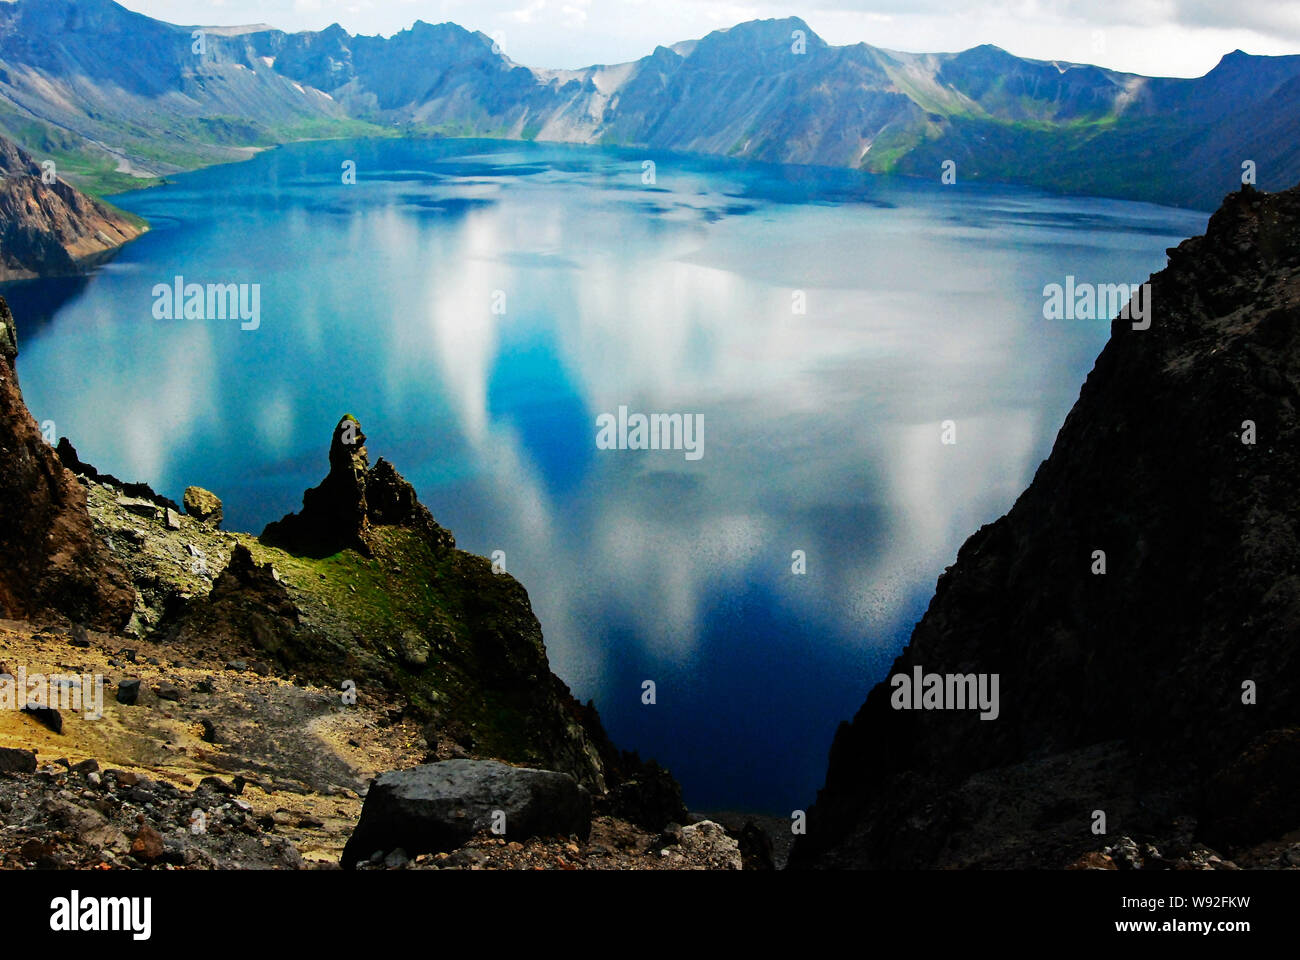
(340, 512)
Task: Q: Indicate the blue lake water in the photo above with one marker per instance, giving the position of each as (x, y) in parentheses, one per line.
(478, 304)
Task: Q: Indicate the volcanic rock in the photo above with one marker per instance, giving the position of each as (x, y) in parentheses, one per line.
(203, 505)
(45, 716)
(1167, 686)
(17, 761)
(132, 492)
(128, 691)
(247, 602)
(440, 806)
(339, 513)
(53, 560)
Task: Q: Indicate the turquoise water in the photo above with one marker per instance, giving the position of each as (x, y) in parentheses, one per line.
(478, 304)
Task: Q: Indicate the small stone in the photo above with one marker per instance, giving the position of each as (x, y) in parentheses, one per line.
(46, 716)
(173, 519)
(234, 788)
(396, 860)
(167, 691)
(413, 649)
(17, 761)
(147, 846)
(141, 508)
(128, 691)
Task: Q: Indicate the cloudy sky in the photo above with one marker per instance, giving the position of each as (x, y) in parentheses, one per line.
(1156, 37)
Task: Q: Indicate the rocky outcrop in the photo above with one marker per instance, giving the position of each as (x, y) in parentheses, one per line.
(67, 455)
(203, 505)
(1157, 685)
(440, 806)
(339, 513)
(247, 600)
(54, 564)
(362, 590)
(49, 229)
(391, 634)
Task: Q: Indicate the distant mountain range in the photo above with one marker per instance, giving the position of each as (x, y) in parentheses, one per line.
(116, 96)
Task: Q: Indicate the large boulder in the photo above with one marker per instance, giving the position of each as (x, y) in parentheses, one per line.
(17, 761)
(203, 505)
(439, 806)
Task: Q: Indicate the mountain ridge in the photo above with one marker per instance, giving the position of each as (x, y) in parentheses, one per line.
(768, 90)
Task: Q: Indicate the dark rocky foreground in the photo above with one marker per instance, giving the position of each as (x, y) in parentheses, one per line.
(52, 559)
(49, 229)
(255, 686)
(1165, 692)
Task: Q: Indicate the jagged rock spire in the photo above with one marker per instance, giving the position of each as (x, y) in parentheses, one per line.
(339, 513)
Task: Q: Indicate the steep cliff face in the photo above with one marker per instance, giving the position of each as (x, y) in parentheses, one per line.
(46, 228)
(1164, 692)
(53, 563)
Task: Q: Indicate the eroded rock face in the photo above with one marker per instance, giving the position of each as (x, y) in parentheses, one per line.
(440, 806)
(46, 228)
(339, 513)
(247, 602)
(67, 455)
(53, 562)
(391, 501)
(1121, 691)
